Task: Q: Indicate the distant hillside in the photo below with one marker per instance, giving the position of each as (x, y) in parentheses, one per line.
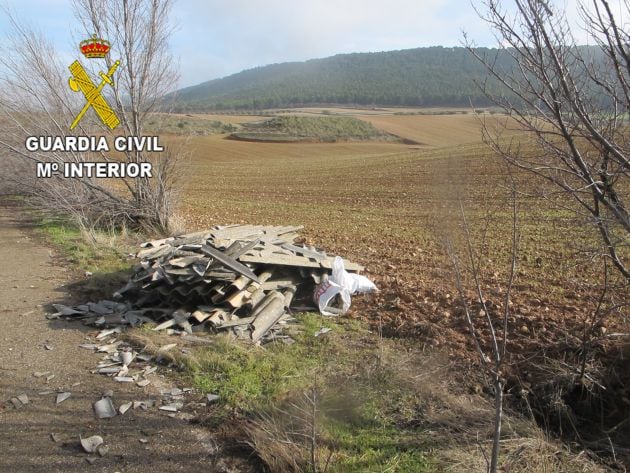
(434, 76)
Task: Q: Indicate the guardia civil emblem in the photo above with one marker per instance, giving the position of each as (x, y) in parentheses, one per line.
(94, 48)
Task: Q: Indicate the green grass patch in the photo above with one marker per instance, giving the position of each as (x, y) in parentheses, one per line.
(364, 428)
(245, 376)
(106, 253)
(102, 254)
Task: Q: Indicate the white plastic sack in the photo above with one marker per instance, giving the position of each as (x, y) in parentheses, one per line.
(325, 292)
(353, 283)
(343, 283)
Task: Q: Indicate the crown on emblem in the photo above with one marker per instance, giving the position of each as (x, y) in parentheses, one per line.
(94, 47)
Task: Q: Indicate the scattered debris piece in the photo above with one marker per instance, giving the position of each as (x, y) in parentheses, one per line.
(23, 398)
(242, 278)
(48, 347)
(174, 407)
(212, 398)
(16, 403)
(62, 397)
(104, 408)
(126, 358)
(144, 405)
(55, 437)
(143, 382)
(124, 379)
(124, 408)
(165, 348)
(91, 444)
(41, 374)
(322, 331)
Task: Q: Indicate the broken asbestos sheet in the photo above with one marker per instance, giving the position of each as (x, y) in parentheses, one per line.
(243, 278)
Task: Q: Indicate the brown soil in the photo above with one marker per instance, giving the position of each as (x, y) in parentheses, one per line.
(31, 277)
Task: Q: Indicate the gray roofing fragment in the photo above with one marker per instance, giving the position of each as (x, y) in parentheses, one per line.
(91, 444)
(173, 407)
(62, 397)
(124, 379)
(144, 405)
(212, 398)
(104, 408)
(126, 357)
(322, 331)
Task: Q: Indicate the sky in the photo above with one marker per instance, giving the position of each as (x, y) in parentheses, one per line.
(216, 38)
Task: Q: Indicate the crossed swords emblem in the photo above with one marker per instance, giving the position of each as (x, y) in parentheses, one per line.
(80, 80)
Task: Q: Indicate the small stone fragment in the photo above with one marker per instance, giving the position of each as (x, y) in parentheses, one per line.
(23, 398)
(143, 382)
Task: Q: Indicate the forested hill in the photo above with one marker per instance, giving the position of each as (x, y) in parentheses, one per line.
(434, 76)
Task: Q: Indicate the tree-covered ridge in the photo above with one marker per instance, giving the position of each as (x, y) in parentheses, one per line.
(433, 76)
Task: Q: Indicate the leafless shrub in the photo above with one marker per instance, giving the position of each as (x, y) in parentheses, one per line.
(288, 439)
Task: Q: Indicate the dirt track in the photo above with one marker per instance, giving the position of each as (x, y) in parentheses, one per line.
(30, 278)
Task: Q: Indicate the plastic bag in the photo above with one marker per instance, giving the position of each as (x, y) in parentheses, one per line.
(343, 283)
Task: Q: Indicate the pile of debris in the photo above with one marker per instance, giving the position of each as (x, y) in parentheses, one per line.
(241, 277)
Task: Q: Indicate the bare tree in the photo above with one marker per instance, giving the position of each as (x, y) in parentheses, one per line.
(574, 102)
(480, 314)
(35, 100)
